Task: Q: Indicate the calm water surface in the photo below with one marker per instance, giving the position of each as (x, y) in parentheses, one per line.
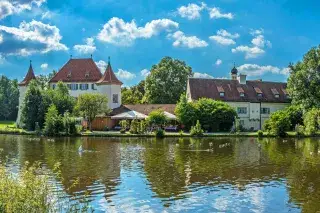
(181, 175)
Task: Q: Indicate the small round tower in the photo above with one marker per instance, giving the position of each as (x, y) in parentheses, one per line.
(234, 73)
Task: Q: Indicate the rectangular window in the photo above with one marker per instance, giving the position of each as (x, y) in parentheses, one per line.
(93, 87)
(277, 95)
(221, 94)
(72, 86)
(115, 98)
(241, 94)
(242, 110)
(242, 123)
(84, 86)
(53, 86)
(265, 111)
(259, 95)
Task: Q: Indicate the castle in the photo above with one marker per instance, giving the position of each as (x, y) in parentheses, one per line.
(81, 76)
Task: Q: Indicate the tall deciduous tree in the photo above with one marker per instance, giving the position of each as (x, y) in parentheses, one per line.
(167, 81)
(9, 98)
(304, 80)
(90, 105)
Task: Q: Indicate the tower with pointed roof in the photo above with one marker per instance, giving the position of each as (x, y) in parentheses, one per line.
(23, 86)
(110, 85)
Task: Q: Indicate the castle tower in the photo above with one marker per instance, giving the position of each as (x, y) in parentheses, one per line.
(109, 84)
(234, 73)
(23, 86)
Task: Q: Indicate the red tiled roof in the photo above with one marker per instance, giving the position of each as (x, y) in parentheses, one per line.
(258, 90)
(274, 91)
(208, 88)
(220, 89)
(109, 77)
(144, 108)
(78, 70)
(30, 76)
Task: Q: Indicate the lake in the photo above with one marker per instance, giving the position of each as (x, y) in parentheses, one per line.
(180, 175)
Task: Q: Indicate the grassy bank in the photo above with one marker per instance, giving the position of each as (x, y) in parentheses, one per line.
(9, 127)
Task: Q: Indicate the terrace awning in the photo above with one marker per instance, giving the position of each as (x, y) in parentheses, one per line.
(129, 115)
(170, 116)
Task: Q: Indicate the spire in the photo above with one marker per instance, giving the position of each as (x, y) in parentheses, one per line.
(30, 76)
(109, 77)
(234, 70)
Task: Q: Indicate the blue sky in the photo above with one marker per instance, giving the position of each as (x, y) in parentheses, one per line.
(260, 36)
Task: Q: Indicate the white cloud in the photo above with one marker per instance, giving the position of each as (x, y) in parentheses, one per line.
(1, 38)
(225, 33)
(223, 37)
(125, 75)
(102, 65)
(117, 31)
(181, 40)
(260, 41)
(87, 48)
(257, 70)
(44, 66)
(218, 62)
(250, 52)
(9, 7)
(201, 75)
(2, 59)
(222, 40)
(145, 72)
(192, 11)
(257, 32)
(29, 38)
(47, 15)
(215, 13)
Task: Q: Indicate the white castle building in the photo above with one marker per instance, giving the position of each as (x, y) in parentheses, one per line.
(81, 76)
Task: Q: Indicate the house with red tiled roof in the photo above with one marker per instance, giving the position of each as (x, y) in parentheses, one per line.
(83, 76)
(254, 100)
(23, 89)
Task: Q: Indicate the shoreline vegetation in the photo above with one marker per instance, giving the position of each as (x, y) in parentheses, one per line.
(7, 127)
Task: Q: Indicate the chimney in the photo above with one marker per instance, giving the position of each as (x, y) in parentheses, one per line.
(242, 79)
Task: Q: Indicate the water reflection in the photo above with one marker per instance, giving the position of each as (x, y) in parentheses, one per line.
(144, 174)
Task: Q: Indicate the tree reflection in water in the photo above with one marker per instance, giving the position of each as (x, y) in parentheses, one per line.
(208, 173)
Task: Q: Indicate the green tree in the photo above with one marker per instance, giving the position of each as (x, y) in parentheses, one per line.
(278, 123)
(167, 81)
(62, 99)
(53, 122)
(312, 121)
(185, 112)
(32, 110)
(130, 96)
(9, 98)
(90, 105)
(43, 80)
(303, 82)
(157, 118)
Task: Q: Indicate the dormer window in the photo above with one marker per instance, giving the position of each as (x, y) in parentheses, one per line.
(221, 91)
(258, 91)
(241, 91)
(286, 94)
(87, 75)
(275, 93)
(69, 75)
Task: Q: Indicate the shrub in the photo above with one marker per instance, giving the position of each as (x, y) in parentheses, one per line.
(69, 124)
(311, 121)
(260, 133)
(157, 118)
(53, 122)
(159, 133)
(295, 115)
(32, 191)
(181, 133)
(278, 124)
(106, 128)
(196, 130)
(299, 129)
(37, 129)
(122, 131)
(134, 127)
(142, 127)
(213, 115)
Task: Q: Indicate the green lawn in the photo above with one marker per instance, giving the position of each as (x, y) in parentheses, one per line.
(4, 124)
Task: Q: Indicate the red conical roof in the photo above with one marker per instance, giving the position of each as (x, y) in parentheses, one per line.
(30, 76)
(109, 77)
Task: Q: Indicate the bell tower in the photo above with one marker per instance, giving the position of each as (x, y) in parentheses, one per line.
(234, 72)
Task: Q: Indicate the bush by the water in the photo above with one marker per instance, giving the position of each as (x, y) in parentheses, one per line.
(278, 124)
(196, 130)
(159, 133)
(213, 115)
(312, 121)
(31, 191)
(260, 133)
